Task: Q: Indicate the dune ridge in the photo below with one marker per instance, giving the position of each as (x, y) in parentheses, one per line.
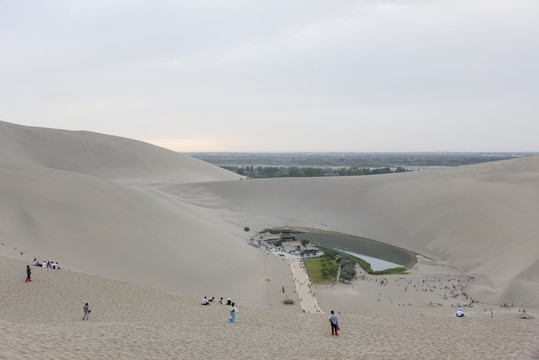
(102, 156)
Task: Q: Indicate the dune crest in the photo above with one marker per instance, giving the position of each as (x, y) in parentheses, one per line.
(103, 156)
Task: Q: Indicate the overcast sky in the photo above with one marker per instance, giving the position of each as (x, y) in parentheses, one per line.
(248, 75)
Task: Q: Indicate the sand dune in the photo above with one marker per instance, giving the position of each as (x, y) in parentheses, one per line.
(103, 156)
(42, 319)
(171, 228)
(91, 202)
(127, 210)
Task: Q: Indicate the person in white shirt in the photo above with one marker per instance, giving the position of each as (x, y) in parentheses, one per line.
(334, 323)
(233, 312)
(205, 301)
(460, 313)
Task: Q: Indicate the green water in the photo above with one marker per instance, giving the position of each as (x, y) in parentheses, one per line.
(361, 245)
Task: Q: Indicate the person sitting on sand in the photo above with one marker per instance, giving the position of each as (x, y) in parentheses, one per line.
(211, 299)
(205, 301)
(460, 313)
(44, 264)
(229, 302)
(222, 301)
(36, 263)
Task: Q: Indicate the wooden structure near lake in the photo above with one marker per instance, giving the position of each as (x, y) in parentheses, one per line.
(286, 234)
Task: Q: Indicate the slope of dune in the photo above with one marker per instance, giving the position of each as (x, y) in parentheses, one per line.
(42, 319)
(88, 201)
(108, 229)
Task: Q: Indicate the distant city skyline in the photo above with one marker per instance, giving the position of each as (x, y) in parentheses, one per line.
(254, 76)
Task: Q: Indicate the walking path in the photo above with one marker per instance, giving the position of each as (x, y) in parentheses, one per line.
(304, 289)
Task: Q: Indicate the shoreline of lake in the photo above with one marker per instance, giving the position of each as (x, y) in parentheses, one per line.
(359, 245)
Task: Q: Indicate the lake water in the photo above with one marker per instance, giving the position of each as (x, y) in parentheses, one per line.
(376, 264)
(381, 256)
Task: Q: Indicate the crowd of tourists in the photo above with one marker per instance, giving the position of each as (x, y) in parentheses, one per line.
(46, 264)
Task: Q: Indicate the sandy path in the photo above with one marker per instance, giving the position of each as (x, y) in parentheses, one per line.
(306, 296)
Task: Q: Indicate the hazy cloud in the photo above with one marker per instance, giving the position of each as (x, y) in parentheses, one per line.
(277, 76)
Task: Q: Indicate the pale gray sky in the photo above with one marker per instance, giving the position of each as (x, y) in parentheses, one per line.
(248, 75)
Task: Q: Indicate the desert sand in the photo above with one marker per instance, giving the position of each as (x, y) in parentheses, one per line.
(143, 233)
(42, 319)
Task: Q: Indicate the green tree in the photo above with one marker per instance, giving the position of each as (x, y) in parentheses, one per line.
(348, 272)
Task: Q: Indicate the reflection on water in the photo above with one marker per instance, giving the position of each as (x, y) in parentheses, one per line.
(366, 247)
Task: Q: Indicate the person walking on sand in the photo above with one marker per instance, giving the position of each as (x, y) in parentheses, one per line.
(87, 312)
(233, 312)
(28, 273)
(334, 323)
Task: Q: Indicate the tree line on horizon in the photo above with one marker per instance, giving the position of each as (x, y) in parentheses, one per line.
(293, 171)
(361, 160)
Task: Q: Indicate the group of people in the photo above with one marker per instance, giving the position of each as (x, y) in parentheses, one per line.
(86, 309)
(333, 320)
(207, 301)
(46, 264)
(233, 309)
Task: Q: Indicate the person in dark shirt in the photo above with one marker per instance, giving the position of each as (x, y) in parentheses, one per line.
(87, 312)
